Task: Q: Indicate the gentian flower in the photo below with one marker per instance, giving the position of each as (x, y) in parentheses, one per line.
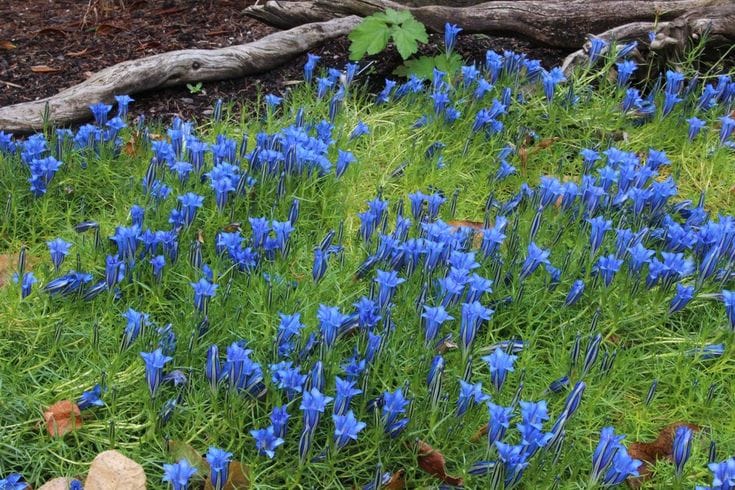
(136, 322)
(469, 395)
(100, 111)
(605, 451)
(279, 421)
(500, 364)
(535, 257)
(114, 270)
(178, 474)
(312, 405)
(682, 448)
(123, 101)
(58, 249)
(598, 227)
(550, 80)
(344, 392)
(158, 262)
(574, 293)
(394, 404)
(203, 292)
(91, 398)
(330, 320)
(213, 368)
(728, 298)
(190, 203)
(606, 267)
(728, 126)
(272, 101)
(266, 441)
(473, 314)
(309, 66)
(387, 282)
(26, 284)
(434, 317)
(346, 428)
(13, 482)
(684, 295)
(219, 467)
(514, 460)
(154, 362)
(625, 70)
(574, 398)
(595, 49)
(450, 36)
(622, 467)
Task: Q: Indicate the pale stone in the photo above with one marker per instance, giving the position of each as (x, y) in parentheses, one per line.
(61, 483)
(111, 470)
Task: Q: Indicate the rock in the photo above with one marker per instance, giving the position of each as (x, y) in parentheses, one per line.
(111, 470)
(61, 483)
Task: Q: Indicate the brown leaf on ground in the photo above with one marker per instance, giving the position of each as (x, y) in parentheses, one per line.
(650, 452)
(111, 469)
(474, 225)
(397, 481)
(432, 461)
(7, 45)
(481, 432)
(239, 477)
(44, 69)
(76, 54)
(62, 417)
(8, 265)
(181, 450)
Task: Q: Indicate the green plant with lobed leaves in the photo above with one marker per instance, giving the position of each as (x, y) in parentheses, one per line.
(476, 145)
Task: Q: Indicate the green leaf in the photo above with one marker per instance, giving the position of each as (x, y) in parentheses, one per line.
(423, 67)
(405, 43)
(406, 36)
(416, 30)
(397, 16)
(449, 64)
(369, 37)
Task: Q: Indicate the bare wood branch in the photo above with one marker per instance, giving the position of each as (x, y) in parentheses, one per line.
(671, 38)
(554, 23)
(170, 69)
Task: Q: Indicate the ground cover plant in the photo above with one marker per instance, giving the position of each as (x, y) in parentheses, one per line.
(485, 278)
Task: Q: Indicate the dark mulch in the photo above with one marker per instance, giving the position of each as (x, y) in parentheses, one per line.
(69, 39)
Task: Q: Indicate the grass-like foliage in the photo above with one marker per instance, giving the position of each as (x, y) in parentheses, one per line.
(503, 244)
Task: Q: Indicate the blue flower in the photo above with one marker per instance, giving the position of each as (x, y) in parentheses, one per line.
(266, 441)
(606, 267)
(606, 449)
(190, 203)
(574, 398)
(469, 395)
(535, 257)
(203, 292)
(58, 249)
(387, 282)
(279, 420)
(178, 474)
(344, 392)
(394, 404)
(473, 315)
(123, 101)
(312, 405)
(26, 283)
(433, 317)
(154, 363)
(575, 292)
(13, 482)
(598, 227)
(330, 319)
(728, 298)
(728, 126)
(219, 467)
(346, 428)
(136, 322)
(311, 62)
(625, 70)
(450, 36)
(550, 80)
(273, 101)
(684, 295)
(500, 364)
(622, 467)
(91, 398)
(595, 49)
(682, 448)
(100, 110)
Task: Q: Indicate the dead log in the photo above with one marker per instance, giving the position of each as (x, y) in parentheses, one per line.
(716, 24)
(171, 69)
(557, 23)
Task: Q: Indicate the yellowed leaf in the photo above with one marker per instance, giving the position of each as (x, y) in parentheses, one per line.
(44, 69)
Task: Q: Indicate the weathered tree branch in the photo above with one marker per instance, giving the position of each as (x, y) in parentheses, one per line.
(170, 69)
(550, 22)
(716, 23)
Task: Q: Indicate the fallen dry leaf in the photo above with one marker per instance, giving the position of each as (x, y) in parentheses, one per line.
(8, 265)
(62, 417)
(650, 452)
(108, 29)
(181, 450)
(44, 69)
(113, 470)
(474, 225)
(481, 432)
(51, 30)
(239, 477)
(432, 461)
(7, 45)
(397, 481)
(76, 54)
